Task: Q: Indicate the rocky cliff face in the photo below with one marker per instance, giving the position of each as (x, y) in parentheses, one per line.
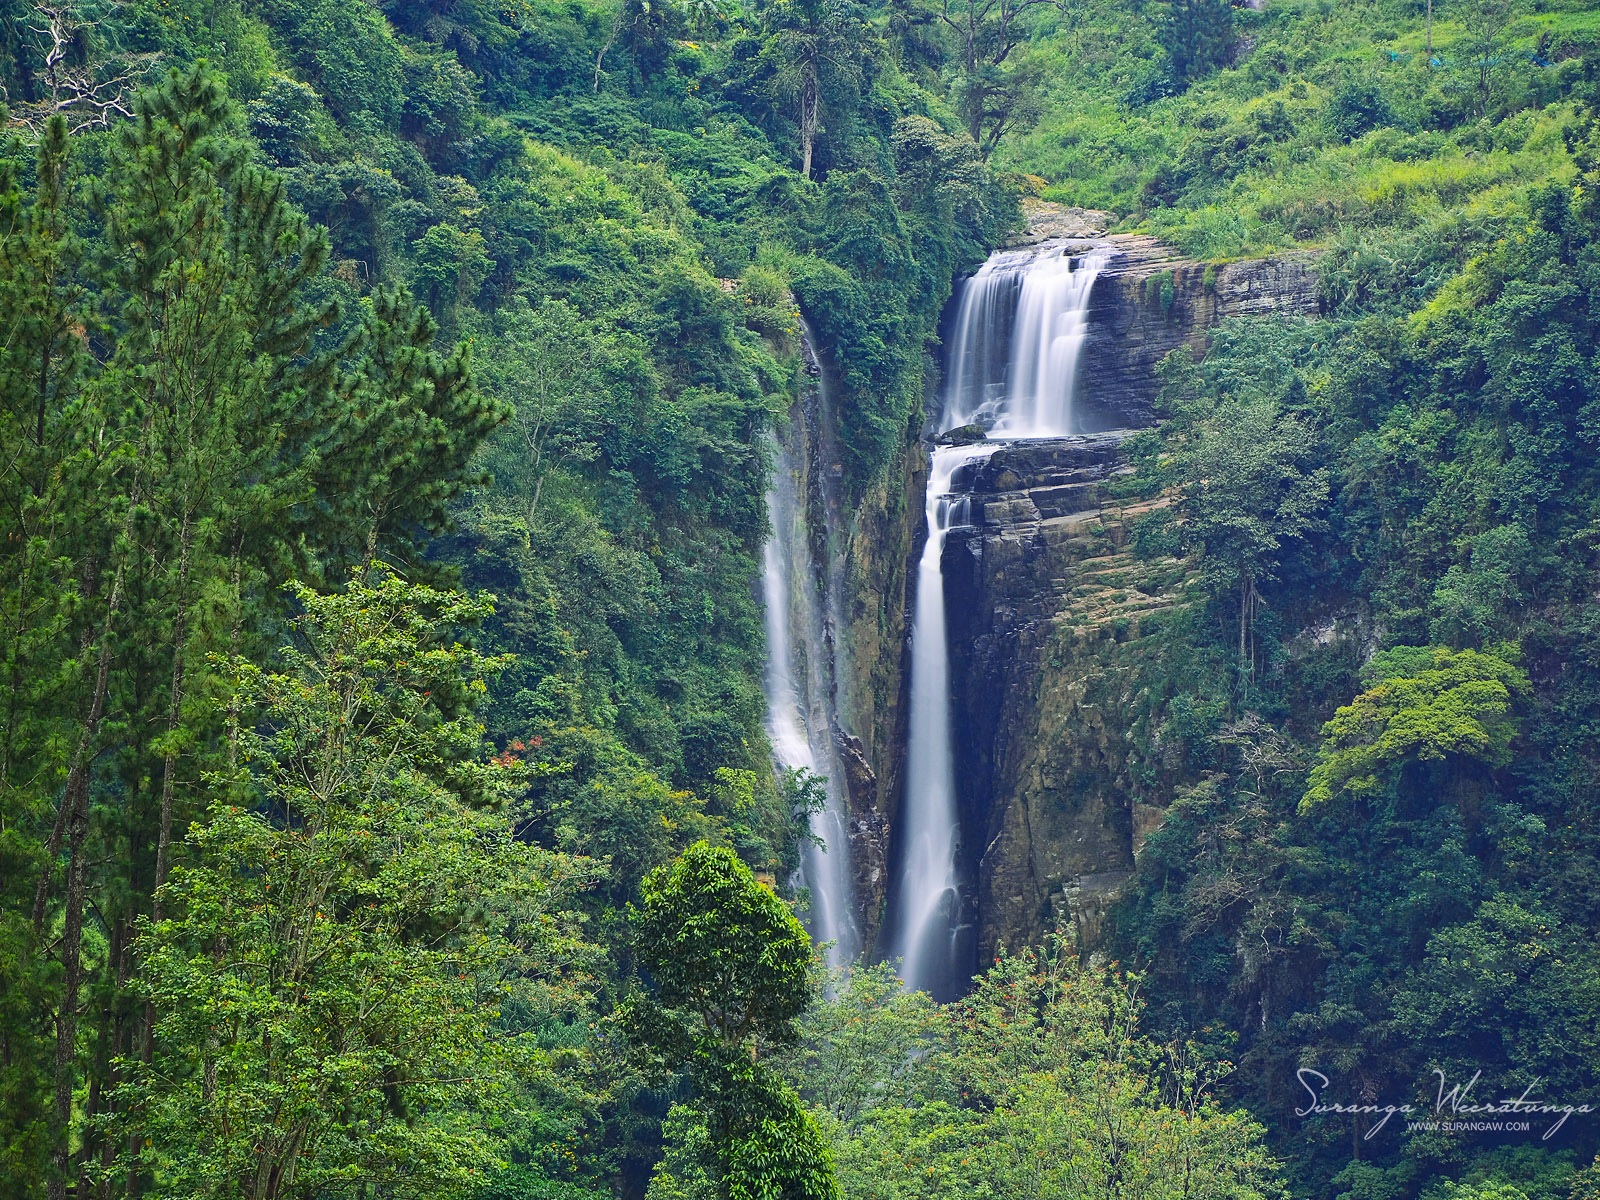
(1044, 602)
(1050, 615)
(1054, 626)
(885, 538)
(1148, 302)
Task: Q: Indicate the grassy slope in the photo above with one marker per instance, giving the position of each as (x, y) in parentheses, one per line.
(1250, 159)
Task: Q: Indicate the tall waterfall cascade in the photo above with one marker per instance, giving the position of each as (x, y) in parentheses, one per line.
(802, 685)
(1012, 363)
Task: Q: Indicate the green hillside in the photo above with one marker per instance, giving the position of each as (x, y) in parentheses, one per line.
(386, 400)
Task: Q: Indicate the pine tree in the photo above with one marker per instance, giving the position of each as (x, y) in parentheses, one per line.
(1198, 37)
(186, 438)
(46, 493)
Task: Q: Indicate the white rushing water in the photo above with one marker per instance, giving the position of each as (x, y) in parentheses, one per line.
(1047, 336)
(930, 900)
(801, 713)
(1013, 360)
(1014, 347)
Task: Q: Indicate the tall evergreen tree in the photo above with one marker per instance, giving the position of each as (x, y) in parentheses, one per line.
(177, 443)
(1198, 38)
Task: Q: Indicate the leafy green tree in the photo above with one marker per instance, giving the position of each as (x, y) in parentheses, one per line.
(730, 969)
(449, 267)
(996, 100)
(1039, 1083)
(283, 120)
(818, 49)
(994, 94)
(351, 55)
(1486, 46)
(1246, 488)
(1425, 703)
(1474, 601)
(352, 915)
(861, 1048)
(1488, 991)
(555, 370)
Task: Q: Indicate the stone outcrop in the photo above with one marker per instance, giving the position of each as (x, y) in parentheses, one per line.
(1148, 301)
(1046, 220)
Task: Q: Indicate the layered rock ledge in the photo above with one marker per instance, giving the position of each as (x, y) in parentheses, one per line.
(1042, 556)
(1149, 301)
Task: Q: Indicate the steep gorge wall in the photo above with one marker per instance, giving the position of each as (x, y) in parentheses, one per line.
(861, 551)
(885, 537)
(1055, 625)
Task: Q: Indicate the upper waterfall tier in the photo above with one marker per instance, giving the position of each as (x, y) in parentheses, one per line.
(1018, 335)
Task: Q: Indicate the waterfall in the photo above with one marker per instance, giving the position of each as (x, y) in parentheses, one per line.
(1013, 357)
(929, 899)
(800, 679)
(1047, 337)
(1015, 343)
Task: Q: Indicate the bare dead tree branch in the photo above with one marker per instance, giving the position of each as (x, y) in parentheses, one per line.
(91, 91)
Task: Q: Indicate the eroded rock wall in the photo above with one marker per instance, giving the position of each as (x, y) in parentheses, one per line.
(1149, 301)
(1047, 608)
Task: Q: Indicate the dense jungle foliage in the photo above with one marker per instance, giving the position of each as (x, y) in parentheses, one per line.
(1377, 711)
(385, 806)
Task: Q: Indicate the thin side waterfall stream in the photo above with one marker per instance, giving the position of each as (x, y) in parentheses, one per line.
(801, 679)
(1013, 360)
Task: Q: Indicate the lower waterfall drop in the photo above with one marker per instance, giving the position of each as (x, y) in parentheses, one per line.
(930, 893)
(800, 690)
(1018, 335)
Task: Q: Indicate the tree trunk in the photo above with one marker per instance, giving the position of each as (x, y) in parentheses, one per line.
(77, 802)
(74, 815)
(1244, 612)
(808, 122)
(611, 39)
(174, 713)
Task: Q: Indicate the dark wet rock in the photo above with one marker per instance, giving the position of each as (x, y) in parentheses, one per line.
(1041, 594)
(963, 435)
